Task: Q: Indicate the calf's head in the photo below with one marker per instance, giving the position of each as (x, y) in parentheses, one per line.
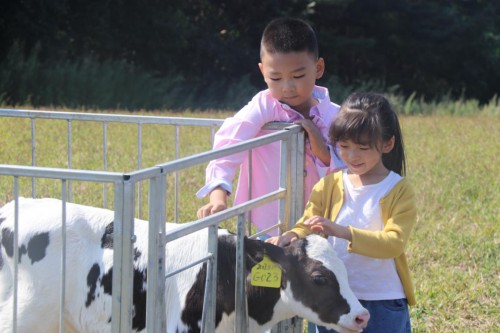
(315, 283)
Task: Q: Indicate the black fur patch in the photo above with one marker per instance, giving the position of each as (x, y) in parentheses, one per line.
(92, 278)
(107, 237)
(8, 244)
(139, 295)
(37, 246)
(1, 258)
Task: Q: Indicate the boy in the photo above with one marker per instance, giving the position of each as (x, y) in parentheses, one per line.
(290, 66)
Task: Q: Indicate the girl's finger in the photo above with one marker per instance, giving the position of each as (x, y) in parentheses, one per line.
(318, 228)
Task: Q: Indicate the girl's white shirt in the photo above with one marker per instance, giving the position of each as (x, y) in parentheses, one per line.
(369, 278)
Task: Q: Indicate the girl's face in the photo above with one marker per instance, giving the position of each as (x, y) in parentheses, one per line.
(291, 77)
(363, 159)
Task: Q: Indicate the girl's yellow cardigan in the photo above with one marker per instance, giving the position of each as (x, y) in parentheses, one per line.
(399, 214)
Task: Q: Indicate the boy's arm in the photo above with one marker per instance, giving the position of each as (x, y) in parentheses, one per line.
(327, 161)
(244, 125)
(318, 145)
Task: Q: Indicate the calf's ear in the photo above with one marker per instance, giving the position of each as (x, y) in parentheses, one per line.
(256, 249)
(275, 253)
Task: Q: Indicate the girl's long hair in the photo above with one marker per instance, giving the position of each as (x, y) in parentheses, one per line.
(369, 119)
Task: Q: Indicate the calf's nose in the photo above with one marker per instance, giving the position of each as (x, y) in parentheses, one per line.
(362, 319)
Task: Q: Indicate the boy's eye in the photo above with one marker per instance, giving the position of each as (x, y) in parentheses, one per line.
(299, 76)
(275, 78)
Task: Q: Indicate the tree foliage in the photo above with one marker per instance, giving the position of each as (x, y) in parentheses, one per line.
(431, 48)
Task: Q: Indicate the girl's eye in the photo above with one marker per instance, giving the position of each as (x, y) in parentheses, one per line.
(299, 76)
(274, 79)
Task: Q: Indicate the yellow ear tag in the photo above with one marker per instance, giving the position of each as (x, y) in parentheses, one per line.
(266, 274)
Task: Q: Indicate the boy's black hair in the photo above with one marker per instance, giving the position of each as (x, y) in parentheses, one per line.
(286, 34)
(369, 119)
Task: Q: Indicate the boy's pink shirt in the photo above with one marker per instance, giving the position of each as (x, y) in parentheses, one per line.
(246, 124)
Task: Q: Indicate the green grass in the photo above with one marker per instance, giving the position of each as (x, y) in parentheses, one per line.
(454, 249)
(453, 162)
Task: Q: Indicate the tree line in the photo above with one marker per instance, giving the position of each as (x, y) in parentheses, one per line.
(205, 52)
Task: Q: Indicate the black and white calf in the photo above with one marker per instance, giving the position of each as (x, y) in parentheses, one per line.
(314, 282)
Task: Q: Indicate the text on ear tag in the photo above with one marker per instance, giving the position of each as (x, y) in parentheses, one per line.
(266, 274)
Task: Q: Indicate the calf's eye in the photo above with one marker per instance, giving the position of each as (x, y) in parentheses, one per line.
(319, 279)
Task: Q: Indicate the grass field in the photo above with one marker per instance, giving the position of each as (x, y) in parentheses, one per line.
(453, 163)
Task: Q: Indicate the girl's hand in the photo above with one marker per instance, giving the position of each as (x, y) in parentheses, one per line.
(318, 146)
(323, 225)
(284, 239)
(319, 224)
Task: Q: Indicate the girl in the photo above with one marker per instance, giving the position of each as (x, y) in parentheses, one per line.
(368, 210)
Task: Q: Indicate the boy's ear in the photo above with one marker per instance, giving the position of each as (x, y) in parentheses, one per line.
(320, 68)
(388, 145)
(261, 67)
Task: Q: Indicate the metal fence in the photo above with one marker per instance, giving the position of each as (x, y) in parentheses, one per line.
(127, 193)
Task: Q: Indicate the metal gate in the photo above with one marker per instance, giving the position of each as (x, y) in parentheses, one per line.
(127, 203)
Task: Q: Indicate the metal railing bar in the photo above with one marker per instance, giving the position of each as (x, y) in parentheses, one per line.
(192, 264)
(58, 173)
(265, 231)
(193, 160)
(187, 228)
(99, 117)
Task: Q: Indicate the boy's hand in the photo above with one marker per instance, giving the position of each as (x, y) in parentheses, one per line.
(318, 145)
(284, 239)
(218, 202)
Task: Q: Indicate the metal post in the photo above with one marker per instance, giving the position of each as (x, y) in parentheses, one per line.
(295, 157)
(176, 175)
(122, 257)
(285, 181)
(241, 322)
(155, 314)
(16, 253)
(291, 180)
(299, 186)
(33, 157)
(250, 195)
(139, 166)
(70, 157)
(105, 161)
(209, 299)
(62, 300)
(127, 259)
(117, 258)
